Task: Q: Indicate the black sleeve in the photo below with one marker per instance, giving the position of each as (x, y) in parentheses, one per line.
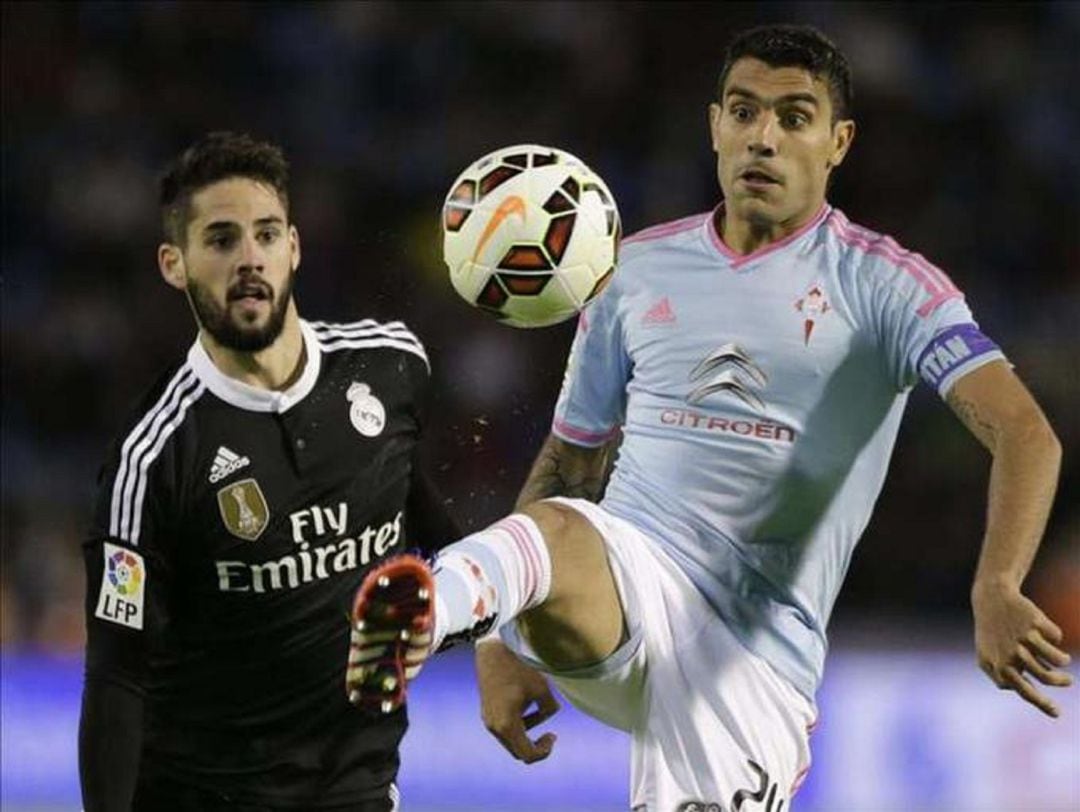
(127, 581)
(111, 723)
(429, 523)
(110, 741)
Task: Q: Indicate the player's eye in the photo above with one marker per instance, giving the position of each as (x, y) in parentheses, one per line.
(741, 113)
(795, 119)
(220, 241)
(268, 235)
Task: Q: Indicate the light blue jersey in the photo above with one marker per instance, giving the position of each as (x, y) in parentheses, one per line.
(759, 398)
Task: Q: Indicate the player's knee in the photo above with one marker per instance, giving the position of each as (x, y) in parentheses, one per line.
(551, 517)
(578, 560)
(565, 531)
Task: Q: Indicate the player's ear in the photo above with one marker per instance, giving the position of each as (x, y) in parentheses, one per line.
(842, 136)
(171, 264)
(714, 124)
(294, 248)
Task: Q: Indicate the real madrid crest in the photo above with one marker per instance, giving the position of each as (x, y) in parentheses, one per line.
(366, 411)
(243, 509)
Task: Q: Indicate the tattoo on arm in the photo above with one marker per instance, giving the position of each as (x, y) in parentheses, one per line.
(562, 469)
(976, 423)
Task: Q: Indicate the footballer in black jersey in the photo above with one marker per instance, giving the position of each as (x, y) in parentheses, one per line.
(238, 512)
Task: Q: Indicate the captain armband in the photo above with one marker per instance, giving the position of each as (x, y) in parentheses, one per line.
(952, 353)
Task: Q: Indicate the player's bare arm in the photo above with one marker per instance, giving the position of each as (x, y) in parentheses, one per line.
(508, 688)
(1014, 639)
(565, 469)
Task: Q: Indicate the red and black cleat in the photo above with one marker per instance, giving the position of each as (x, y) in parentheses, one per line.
(392, 619)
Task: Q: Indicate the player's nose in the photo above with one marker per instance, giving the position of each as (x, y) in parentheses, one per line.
(765, 137)
(251, 257)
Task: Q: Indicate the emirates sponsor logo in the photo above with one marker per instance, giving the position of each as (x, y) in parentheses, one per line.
(311, 562)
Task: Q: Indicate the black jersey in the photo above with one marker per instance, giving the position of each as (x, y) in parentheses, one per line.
(232, 529)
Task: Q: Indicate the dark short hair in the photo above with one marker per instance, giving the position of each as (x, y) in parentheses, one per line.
(799, 46)
(215, 157)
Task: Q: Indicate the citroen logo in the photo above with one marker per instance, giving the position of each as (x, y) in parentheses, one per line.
(728, 369)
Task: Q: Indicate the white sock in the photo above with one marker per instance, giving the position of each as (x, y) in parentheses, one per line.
(489, 578)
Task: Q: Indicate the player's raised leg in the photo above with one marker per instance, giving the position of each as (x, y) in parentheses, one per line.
(546, 566)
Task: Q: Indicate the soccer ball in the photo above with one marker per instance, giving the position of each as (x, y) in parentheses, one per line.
(530, 235)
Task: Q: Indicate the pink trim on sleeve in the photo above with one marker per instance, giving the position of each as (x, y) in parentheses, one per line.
(576, 435)
(932, 279)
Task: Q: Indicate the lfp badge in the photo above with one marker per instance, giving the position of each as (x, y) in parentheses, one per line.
(125, 572)
(120, 599)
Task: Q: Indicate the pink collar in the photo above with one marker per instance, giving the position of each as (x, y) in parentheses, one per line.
(739, 260)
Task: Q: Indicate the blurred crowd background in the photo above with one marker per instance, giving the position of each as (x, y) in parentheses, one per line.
(966, 152)
(968, 118)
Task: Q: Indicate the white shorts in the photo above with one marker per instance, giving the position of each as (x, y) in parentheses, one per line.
(714, 727)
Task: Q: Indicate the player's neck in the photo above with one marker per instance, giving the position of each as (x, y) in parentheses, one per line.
(745, 236)
(276, 368)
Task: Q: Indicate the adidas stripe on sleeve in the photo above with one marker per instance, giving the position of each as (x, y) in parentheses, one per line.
(141, 448)
(369, 334)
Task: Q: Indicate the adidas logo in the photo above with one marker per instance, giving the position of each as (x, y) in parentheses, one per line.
(659, 313)
(226, 462)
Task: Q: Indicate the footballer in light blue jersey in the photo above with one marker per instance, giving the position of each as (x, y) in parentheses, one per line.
(759, 398)
(756, 360)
